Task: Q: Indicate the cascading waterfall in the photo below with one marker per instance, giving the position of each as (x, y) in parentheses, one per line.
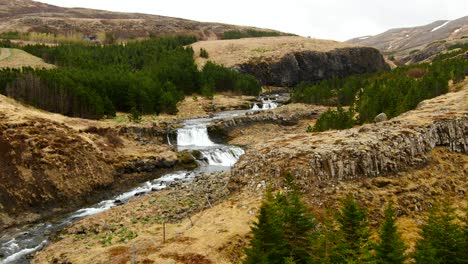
(221, 156)
(16, 245)
(267, 104)
(193, 135)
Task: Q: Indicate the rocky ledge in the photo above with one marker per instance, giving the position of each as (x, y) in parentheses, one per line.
(287, 115)
(314, 66)
(367, 151)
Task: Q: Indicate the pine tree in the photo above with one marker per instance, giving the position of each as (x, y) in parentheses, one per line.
(354, 245)
(299, 227)
(442, 238)
(267, 244)
(390, 249)
(284, 232)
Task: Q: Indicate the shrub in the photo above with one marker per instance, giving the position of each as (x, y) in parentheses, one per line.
(204, 53)
(334, 119)
(135, 115)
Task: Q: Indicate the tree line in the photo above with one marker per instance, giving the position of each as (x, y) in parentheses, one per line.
(392, 92)
(249, 33)
(94, 81)
(286, 232)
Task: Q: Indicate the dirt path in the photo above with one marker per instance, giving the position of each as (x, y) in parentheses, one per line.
(5, 53)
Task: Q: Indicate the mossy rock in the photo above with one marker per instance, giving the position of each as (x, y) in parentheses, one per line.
(197, 154)
(187, 160)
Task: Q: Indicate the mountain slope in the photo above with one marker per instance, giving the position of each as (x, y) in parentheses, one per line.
(404, 40)
(31, 16)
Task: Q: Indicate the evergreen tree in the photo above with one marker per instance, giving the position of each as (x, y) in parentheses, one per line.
(267, 244)
(204, 53)
(285, 231)
(442, 238)
(299, 226)
(334, 119)
(390, 249)
(354, 244)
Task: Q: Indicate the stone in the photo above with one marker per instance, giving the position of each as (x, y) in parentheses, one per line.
(380, 118)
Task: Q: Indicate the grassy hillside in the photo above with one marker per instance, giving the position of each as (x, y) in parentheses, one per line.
(15, 58)
(238, 51)
(75, 23)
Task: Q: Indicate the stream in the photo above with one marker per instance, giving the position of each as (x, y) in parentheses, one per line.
(17, 245)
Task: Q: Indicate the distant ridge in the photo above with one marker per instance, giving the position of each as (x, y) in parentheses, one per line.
(401, 41)
(32, 16)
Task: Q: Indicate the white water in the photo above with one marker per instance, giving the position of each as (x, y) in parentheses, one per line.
(22, 253)
(18, 244)
(222, 157)
(267, 104)
(193, 135)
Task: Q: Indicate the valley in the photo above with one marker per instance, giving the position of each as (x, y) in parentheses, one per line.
(219, 226)
(134, 138)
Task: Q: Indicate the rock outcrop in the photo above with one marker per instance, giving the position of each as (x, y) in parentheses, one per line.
(287, 61)
(314, 66)
(285, 116)
(46, 165)
(367, 151)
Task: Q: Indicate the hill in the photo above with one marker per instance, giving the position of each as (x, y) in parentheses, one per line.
(289, 60)
(31, 16)
(236, 52)
(403, 41)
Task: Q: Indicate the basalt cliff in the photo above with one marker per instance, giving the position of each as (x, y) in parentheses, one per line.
(287, 61)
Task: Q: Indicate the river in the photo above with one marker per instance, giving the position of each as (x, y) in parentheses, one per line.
(17, 245)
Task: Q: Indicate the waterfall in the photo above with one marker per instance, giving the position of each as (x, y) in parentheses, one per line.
(195, 135)
(267, 104)
(226, 157)
(15, 248)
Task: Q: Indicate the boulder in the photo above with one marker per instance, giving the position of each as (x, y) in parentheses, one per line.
(380, 118)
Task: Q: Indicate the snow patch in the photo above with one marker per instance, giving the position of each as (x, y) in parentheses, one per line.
(364, 38)
(436, 28)
(456, 30)
(406, 35)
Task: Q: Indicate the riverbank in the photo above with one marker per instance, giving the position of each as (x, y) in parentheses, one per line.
(53, 164)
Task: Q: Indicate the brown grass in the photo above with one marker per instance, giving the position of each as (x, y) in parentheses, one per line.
(416, 72)
(188, 258)
(234, 52)
(15, 58)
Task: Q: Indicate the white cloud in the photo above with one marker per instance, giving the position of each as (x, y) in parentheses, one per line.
(331, 19)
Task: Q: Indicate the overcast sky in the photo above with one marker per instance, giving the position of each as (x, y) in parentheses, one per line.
(328, 19)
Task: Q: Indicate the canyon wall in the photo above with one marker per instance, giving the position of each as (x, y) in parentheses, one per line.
(313, 66)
